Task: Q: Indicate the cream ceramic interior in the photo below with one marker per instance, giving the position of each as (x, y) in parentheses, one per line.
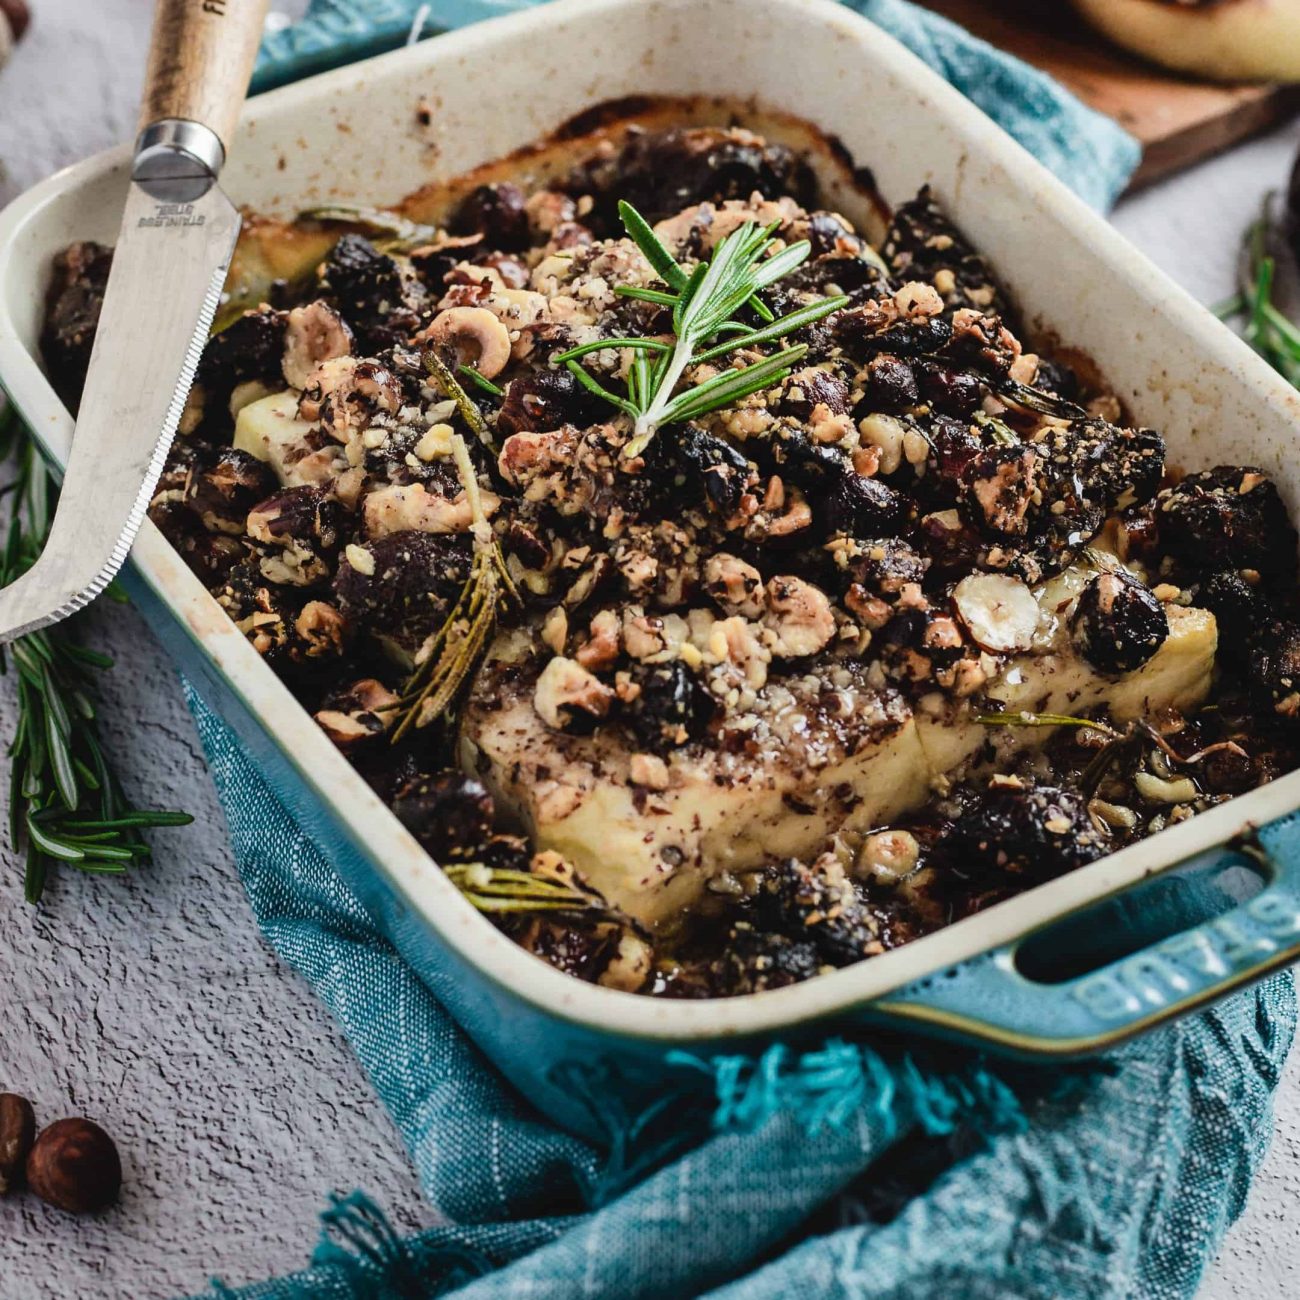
(355, 134)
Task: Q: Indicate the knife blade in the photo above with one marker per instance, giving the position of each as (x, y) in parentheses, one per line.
(169, 265)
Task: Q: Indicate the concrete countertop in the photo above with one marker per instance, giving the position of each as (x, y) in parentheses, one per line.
(151, 1003)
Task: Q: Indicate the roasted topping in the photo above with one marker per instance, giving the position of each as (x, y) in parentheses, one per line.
(450, 814)
(816, 904)
(251, 347)
(545, 399)
(1228, 518)
(358, 712)
(669, 708)
(998, 611)
(1019, 828)
(764, 578)
(315, 333)
(923, 243)
(705, 467)
(1273, 667)
(798, 616)
(397, 587)
(568, 696)
(891, 384)
(474, 336)
(382, 301)
(76, 295)
(1118, 624)
(497, 213)
(998, 487)
(221, 486)
(663, 172)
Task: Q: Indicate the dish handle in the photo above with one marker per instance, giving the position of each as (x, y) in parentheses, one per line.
(1001, 999)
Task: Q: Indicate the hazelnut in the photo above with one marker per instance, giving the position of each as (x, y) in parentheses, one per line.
(18, 16)
(74, 1166)
(476, 336)
(17, 1129)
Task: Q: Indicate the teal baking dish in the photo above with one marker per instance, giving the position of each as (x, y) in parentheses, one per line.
(378, 130)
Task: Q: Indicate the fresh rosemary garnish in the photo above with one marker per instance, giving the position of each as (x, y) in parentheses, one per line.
(500, 889)
(704, 303)
(446, 663)
(66, 803)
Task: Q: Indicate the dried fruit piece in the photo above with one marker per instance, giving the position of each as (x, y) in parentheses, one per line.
(1118, 624)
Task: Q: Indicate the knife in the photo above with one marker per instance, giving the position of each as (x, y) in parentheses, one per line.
(169, 264)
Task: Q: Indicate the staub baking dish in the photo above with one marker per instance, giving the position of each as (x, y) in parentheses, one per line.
(379, 130)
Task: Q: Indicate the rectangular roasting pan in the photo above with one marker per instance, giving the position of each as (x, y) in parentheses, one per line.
(353, 134)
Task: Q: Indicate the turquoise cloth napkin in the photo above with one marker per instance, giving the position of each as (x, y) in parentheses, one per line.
(844, 1172)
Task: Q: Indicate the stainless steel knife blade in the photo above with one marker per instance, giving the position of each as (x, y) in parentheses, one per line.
(169, 265)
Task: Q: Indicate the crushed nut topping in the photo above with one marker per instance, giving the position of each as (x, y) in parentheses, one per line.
(916, 622)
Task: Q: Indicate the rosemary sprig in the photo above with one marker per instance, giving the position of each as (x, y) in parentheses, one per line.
(1264, 325)
(500, 889)
(465, 405)
(449, 658)
(66, 804)
(1024, 719)
(704, 303)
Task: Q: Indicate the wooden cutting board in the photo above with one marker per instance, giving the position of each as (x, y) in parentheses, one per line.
(1178, 121)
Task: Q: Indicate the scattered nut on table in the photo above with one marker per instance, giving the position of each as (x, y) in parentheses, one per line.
(17, 1132)
(74, 1166)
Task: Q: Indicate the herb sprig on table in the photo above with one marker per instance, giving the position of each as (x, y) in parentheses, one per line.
(704, 302)
(66, 804)
(1264, 325)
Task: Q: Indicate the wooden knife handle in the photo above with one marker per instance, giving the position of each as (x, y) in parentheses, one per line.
(200, 60)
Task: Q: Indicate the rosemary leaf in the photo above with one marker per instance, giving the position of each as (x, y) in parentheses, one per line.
(583, 376)
(611, 345)
(731, 385)
(1031, 399)
(494, 889)
(66, 804)
(1265, 326)
(1000, 433)
(639, 231)
(778, 329)
(1021, 719)
(465, 404)
(447, 662)
(646, 295)
(482, 381)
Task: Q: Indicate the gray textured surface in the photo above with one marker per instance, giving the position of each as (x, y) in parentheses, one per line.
(152, 1005)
